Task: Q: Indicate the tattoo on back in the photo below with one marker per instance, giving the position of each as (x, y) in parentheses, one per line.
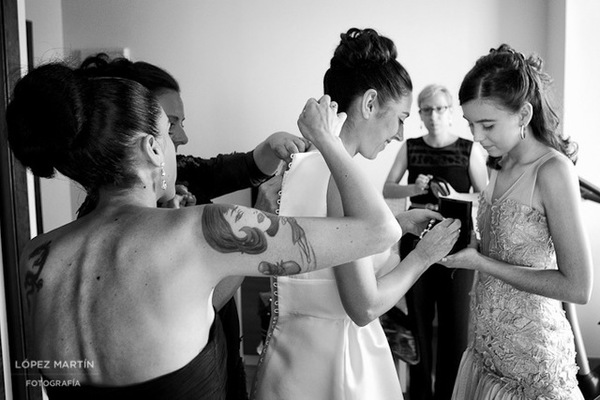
(33, 282)
(223, 231)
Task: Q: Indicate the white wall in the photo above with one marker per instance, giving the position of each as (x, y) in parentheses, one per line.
(247, 67)
(582, 85)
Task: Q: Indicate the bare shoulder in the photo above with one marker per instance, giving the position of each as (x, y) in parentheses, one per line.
(557, 171)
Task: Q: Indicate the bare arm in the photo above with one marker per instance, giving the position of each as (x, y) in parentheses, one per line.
(249, 242)
(392, 189)
(572, 281)
(366, 296)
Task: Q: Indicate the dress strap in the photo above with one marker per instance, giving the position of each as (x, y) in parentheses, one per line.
(535, 168)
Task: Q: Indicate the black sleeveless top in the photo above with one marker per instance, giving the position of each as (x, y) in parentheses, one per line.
(204, 377)
(450, 162)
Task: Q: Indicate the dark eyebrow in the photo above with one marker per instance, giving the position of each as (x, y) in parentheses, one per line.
(481, 120)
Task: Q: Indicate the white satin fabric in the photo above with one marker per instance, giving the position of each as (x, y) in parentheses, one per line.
(313, 349)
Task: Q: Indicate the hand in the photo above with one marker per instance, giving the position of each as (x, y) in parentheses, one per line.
(422, 183)
(284, 144)
(467, 258)
(442, 189)
(268, 194)
(320, 120)
(415, 221)
(183, 198)
(438, 242)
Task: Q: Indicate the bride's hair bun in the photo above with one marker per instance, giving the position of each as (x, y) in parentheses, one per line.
(363, 48)
(365, 60)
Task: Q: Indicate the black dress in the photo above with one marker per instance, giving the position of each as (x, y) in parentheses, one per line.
(205, 377)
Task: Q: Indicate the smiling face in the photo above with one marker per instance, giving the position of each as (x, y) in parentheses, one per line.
(496, 128)
(387, 124)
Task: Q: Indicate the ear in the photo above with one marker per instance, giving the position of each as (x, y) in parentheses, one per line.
(369, 103)
(526, 113)
(152, 150)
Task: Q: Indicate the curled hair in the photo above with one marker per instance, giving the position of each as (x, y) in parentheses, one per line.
(510, 79)
(83, 128)
(150, 76)
(365, 60)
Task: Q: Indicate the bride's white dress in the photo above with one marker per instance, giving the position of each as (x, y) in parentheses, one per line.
(313, 349)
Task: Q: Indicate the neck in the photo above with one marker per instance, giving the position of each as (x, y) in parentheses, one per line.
(525, 152)
(440, 139)
(350, 139)
(141, 195)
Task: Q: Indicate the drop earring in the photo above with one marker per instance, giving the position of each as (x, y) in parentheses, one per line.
(522, 132)
(163, 184)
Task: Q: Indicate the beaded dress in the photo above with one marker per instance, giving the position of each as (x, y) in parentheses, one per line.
(521, 344)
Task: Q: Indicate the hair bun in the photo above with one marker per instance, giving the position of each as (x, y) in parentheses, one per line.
(45, 116)
(363, 48)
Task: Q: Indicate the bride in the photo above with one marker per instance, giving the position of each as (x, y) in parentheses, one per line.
(325, 340)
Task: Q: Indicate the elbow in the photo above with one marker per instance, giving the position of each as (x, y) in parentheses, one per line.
(391, 232)
(362, 317)
(582, 297)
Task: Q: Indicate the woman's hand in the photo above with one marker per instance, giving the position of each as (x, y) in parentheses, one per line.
(422, 183)
(183, 198)
(320, 121)
(442, 189)
(467, 258)
(268, 194)
(415, 221)
(438, 242)
(284, 144)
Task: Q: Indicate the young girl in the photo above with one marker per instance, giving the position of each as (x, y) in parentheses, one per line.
(533, 252)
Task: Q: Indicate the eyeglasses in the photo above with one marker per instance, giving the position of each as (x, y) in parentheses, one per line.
(430, 110)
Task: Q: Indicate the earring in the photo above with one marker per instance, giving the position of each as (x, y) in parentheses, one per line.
(522, 132)
(163, 184)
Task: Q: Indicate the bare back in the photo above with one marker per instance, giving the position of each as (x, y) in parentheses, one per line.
(121, 292)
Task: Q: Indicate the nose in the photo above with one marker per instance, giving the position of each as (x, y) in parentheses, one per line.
(178, 135)
(478, 134)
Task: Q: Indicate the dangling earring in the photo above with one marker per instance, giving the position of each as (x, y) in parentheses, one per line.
(522, 132)
(163, 184)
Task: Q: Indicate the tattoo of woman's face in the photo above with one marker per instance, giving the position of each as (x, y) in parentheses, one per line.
(226, 230)
(33, 282)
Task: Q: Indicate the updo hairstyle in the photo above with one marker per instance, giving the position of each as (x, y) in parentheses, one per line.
(59, 120)
(150, 76)
(365, 60)
(510, 79)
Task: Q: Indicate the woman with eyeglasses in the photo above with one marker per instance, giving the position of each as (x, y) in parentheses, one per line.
(438, 156)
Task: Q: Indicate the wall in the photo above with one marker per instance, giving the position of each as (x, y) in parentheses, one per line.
(246, 68)
(582, 85)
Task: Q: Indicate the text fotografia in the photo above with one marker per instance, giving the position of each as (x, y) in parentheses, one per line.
(47, 364)
(51, 382)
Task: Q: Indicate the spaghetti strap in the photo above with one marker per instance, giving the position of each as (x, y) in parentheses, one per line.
(538, 163)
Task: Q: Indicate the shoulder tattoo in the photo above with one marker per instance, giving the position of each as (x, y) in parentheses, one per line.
(225, 233)
(33, 282)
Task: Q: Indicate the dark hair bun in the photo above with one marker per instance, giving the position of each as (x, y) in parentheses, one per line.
(363, 49)
(44, 117)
